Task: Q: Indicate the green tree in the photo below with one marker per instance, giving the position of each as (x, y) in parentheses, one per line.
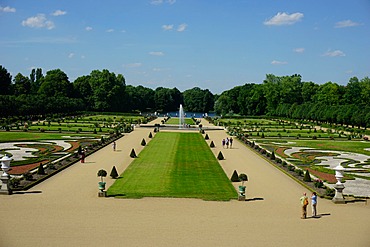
(5, 81)
(55, 83)
(22, 84)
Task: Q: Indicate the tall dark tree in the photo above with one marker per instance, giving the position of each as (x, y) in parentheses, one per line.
(55, 83)
(5, 81)
(22, 84)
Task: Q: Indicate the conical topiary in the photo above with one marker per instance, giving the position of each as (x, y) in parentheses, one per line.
(143, 142)
(206, 137)
(235, 177)
(220, 156)
(212, 145)
(307, 177)
(150, 135)
(41, 170)
(133, 154)
(79, 150)
(272, 157)
(114, 173)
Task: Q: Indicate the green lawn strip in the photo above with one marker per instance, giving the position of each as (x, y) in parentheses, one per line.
(177, 121)
(175, 165)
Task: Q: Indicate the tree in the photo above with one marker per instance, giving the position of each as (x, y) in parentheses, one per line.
(22, 84)
(55, 83)
(36, 77)
(5, 81)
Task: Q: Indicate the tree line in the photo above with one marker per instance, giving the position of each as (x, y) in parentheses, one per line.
(103, 91)
(290, 97)
(100, 91)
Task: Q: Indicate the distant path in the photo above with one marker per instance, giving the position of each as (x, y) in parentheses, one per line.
(65, 209)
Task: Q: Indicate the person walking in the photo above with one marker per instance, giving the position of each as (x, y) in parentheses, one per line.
(304, 203)
(227, 142)
(83, 155)
(114, 146)
(231, 142)
(314, 204)
(223, 143)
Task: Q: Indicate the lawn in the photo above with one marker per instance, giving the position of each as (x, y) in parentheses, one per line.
(10, 136)
(175, 165)
(176, 120)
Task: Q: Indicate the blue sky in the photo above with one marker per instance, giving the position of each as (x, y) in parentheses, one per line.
(214, 45)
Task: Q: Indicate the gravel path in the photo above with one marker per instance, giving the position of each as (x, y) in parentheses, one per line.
(66, 211)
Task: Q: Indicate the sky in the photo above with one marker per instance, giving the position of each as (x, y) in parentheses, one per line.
(210, 44)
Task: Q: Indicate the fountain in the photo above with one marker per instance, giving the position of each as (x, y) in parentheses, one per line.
(181, 117)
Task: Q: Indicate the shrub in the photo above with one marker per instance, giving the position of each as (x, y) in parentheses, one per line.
(235, 177)
(206, 137)
(143, 142)
(14, 182)
(243, 177)
(102, 173)
(150, 135)
(263, 135)
(102, 139)
(278, 160)
(212, 145)
(220, 156)
(42, 130)
(318, 183)
(291, 168)
(329, 192)
(263, 151)
(314, 137)
(307, 177)
(27, 176)
(133, 154)
(51, 166)
(272, 155)
(41, 170)
(299, 171)
(284, 163)
(95, 132)
(114, 173)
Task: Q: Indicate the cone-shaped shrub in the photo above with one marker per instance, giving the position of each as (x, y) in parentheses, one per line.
(155, 130)
(133, 154)
(114, 173)
(307, 177)
(150, 135)
(220, 156)
(143, 142)
(206, 137)
(41, 170)
(272, 155)
(212, 145)
(79, 150)
(235, 177)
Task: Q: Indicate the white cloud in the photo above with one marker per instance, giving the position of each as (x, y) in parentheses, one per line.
(110, 30)
(71, 55)
(346, 23)
(159, 2)
(156, 53)
(275, 62)
(299, 50)
(7, 9)
(88, 28)
(284, 19)
(336, 53)
(38, 21)
(132, 65)
(156, 2)
(59, 13)
(167, 27)
(182, 27)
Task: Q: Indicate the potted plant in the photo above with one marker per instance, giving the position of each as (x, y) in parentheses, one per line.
(242, 178)
(102, 173)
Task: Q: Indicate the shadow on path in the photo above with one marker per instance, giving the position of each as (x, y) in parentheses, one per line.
(319, 216)
(27, 192)
(254, 199)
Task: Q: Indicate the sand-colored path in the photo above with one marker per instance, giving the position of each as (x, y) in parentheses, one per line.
(65, 210)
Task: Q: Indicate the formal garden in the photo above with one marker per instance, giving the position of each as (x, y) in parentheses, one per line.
(298, 148)
(175, 164)
(41, 148)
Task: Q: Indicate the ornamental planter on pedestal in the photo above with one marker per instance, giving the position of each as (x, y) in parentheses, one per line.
(102, 173)
(241, 195)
